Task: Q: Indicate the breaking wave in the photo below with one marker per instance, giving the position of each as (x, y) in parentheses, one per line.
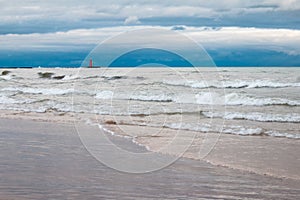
(70, 77)
(6, 77)
(202, 98)
(140, 96)
(256, 116)
(155, 98)
(8, 100)
(211, 98)
(234, 130)
(105, 94)
(44, 91)
(231, 84)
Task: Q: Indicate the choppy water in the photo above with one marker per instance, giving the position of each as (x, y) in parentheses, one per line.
(248, 101)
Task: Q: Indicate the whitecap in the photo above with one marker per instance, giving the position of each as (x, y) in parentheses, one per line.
(152, 97)
(256, 116)
(234, 130)
(70, 77)
(212, 98)
(105, 94)
(285, 135)
(44, 91)
(8, 100)
(231, 84)
(6, 77)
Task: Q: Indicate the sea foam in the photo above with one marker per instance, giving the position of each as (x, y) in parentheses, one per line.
(202, 98)
(255, 116)
(43, 91)
(212, 98)
(230, 84)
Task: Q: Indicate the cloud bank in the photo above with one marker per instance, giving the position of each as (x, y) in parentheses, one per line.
(34, 16)
(282, 40)
(251, 29)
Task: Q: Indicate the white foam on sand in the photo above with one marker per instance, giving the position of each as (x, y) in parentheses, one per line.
(285, 135)
(234, 130)
(256, 116)
(132, 138)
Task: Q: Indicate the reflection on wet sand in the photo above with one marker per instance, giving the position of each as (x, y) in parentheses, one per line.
(42, 160)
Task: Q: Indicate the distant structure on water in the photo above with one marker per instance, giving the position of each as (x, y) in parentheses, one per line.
(91, 63)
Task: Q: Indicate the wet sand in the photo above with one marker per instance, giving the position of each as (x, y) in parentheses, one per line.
(46, 160)
(278, 157)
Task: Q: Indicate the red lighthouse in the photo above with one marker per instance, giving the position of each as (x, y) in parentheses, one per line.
(91, 63)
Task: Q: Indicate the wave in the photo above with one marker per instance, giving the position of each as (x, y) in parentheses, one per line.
(91, 77)
(51, 75)
(142, 96)
(7, 77)
(202, 98)
(154, 98)
(106, 130)
(44, 91)
(105, 94)
(8, 100)
(231, 84)
(255, 116)
(285, 135)
(258, 84)
(111, 78)
(239, 130)
(35, 110)
(70, 77)
(189, 127)
(211, 98)
(234, 130)
(47, 75)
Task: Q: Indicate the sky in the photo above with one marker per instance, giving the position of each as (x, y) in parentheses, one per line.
(233, 32)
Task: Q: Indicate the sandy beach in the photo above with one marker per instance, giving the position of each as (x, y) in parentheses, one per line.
(46, 160)
(149, 100)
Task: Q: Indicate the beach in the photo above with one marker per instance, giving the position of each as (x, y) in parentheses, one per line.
(229, 133)
(46, 160)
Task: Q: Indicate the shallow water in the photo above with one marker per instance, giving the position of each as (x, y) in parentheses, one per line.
(242, 96)
(41, 160)
(255, 110)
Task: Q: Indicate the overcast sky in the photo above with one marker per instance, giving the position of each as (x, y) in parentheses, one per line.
(234, 32)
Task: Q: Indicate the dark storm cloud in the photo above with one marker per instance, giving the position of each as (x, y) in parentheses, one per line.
(35, 32)
(51, 16)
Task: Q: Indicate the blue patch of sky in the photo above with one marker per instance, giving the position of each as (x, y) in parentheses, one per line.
(222, 57)
(156, 57)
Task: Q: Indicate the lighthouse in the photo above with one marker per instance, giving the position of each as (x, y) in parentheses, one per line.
(91, 63)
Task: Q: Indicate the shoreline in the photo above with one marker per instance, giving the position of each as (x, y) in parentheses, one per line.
(51, 162)
(217, 157)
